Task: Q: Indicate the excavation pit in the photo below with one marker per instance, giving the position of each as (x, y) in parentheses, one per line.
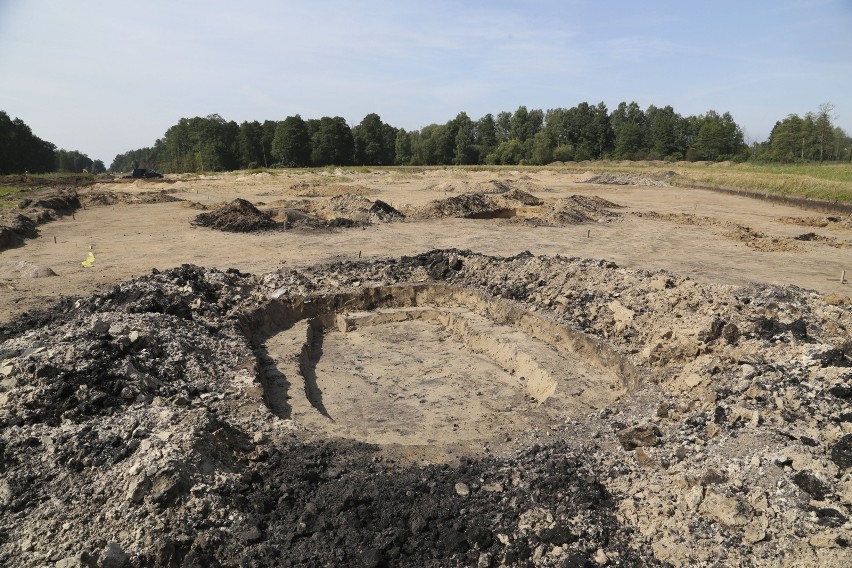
(429, 366)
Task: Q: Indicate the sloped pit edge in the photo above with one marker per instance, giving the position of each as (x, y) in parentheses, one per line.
(327, 311)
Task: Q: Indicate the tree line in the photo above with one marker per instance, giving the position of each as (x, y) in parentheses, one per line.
(22, 151)
(525, 136)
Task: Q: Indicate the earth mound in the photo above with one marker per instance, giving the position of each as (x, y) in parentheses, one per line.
(467, 205)
(238, 216)
(624, 179)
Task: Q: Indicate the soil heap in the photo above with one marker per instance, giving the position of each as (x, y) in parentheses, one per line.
(238, 216)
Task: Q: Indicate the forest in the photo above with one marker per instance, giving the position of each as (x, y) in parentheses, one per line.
(523, 137)
(22, 151)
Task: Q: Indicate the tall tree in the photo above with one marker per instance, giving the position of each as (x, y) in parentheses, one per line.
(486, 135)
(374, 144)
(332, 143)
(465, 151)
(292, 145)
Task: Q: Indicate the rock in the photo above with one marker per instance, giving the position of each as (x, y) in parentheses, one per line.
(826, 539)
(844, 491)
(661, 282)
(755, 531)
(136, 489)
(252, 534)
(841, 453)
(113, 556)
(462, 490)
(166, 487)
(371, 558)
(730, 512)
(730, 333)
(641, 436)
(623, 316)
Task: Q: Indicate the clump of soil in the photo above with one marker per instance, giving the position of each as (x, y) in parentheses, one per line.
(831, 221)
(467, 205)
(102, 198)
(238, 216)
(760, 241)
(316, 189)
(522, 197)
(41, 207)
(579, 209)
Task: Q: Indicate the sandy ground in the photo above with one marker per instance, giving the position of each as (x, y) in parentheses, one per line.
(694, 232)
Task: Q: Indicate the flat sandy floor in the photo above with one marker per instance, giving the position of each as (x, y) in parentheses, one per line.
(697, 233)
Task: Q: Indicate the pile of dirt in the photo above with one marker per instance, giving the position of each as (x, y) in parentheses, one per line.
(102, 198)
(521, 196)
(467, 205)
(14, 229)
(318, 189)
(762, 242)
(624, 179)
(43, 206)
(830, 222)
(238, 216)
(134, 430)
(579, 209)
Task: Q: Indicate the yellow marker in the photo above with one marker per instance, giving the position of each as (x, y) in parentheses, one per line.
(90, 261)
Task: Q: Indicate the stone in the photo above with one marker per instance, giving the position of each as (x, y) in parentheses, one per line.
(730, 512)
(462, 490)
(755, 531)
(623, 316)
(826, 539)
(136, 489)
(844, 491)
(641, 436)
(113, 556)
(841, 453)
(644, 459)
(252, 534)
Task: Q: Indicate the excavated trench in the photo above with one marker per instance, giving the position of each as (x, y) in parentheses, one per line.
(428, 365)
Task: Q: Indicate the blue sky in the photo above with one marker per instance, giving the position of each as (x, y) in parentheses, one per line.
(104, 77)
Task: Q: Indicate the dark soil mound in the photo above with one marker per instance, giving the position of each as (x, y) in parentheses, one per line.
(522, 196)
(15, 230)
(238, 216)
(385, 211)
(465, 205)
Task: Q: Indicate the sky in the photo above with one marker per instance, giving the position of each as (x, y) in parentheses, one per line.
(105, 77)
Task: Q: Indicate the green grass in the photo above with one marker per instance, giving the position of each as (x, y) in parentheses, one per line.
(8, 190)
(831, 182)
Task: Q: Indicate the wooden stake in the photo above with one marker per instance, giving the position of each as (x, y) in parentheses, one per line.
(843, 277)
(589, 234)
(54, 240)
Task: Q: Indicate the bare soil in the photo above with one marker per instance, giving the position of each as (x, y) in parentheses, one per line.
(425, 368)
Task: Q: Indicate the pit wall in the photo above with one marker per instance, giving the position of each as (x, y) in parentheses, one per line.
(324, 311)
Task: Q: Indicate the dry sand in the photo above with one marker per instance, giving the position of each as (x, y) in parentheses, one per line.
(657, 228)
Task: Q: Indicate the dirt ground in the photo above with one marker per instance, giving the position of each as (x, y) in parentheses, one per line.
(710, 237)
(425, 368)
